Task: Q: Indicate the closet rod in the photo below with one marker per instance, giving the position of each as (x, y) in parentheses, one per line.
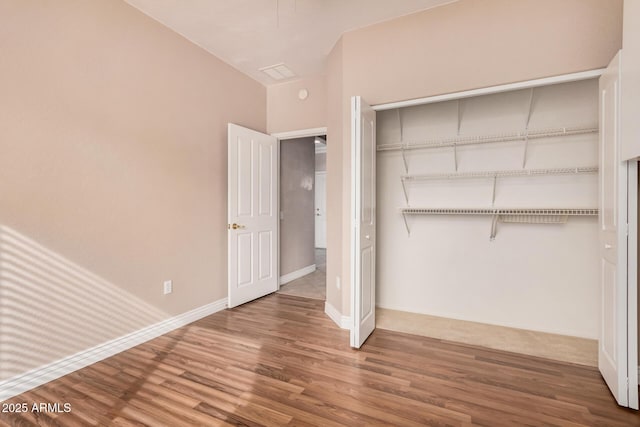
(471, 140)
(499, 211)
(502, 173)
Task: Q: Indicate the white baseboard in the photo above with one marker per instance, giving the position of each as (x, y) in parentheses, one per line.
(42, 375)
(297, 274)
(344, 322)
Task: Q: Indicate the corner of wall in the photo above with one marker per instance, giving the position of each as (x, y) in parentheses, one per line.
(335, 90)
(287, 112)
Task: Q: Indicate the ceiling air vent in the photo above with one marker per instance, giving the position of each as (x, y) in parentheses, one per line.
(278, 72)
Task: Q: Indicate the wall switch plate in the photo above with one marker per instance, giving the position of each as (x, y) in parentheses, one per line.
(168, 286)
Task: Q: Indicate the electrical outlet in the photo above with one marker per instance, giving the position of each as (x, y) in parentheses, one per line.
(338, 282)
(168, 286)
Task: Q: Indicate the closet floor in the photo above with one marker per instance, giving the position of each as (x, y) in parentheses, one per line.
(549, 346)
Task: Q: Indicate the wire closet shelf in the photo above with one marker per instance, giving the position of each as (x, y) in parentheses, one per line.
(485, 139)
(513, 215)
(503, 173)
(495, 175)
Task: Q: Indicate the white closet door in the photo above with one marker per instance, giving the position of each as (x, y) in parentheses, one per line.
(363, 218)
(252, 216)
(615, 342)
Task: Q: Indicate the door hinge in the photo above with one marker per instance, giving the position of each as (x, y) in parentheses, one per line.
(627, 229)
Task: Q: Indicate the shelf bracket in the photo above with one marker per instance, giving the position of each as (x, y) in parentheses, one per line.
(494, 227)
(455, 148)
(459, 117)
(455, 156)
(526, 129)
(406, 224)
(493, 196)
(404, 188)
(530, 109)
(404, 159)
(399, 110)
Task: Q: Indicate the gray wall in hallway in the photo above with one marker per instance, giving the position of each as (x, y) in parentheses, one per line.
(321, 162)
(297, 184)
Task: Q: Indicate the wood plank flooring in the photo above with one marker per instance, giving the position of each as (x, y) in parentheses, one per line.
(280, 361)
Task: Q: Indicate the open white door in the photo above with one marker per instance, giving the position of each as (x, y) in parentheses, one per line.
(252, 215)
(616, 343)
(363, 218)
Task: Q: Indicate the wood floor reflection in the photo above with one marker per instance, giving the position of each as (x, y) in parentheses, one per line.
(280, 361)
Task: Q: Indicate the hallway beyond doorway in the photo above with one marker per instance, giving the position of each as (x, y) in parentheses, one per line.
(312, 285)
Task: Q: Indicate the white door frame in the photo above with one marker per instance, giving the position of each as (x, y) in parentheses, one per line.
(302, 133)
(633, 367)
(324, 173)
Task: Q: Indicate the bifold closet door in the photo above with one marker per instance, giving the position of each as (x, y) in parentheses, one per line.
(617, 345)
(363, 221)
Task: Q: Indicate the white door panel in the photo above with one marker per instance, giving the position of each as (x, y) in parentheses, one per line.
(266, 254)
(363, 209)
(321, 210)
(609, 329)
(617, 311)
(244, 254)
(252, 219)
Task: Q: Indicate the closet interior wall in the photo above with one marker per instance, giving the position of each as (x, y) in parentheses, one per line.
(541, 277)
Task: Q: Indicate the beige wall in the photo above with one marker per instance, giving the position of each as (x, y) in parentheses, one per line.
(112, 173)
(297, 221)
(478, 43)
(286, 112)
(335, 115)
(463, 45)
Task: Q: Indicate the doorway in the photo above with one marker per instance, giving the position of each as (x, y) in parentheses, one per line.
(303, 217)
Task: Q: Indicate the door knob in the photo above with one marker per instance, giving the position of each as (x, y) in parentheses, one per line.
(235, 226)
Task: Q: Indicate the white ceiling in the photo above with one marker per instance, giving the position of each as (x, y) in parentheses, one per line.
(252, 34)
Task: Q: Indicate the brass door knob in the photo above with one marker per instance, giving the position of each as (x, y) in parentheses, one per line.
(235, 226)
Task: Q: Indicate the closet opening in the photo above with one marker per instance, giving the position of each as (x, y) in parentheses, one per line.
(487, 228)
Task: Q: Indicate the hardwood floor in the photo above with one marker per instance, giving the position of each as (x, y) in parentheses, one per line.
(280, 361)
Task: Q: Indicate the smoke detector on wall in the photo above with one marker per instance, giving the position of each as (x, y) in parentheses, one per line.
(278, 72)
